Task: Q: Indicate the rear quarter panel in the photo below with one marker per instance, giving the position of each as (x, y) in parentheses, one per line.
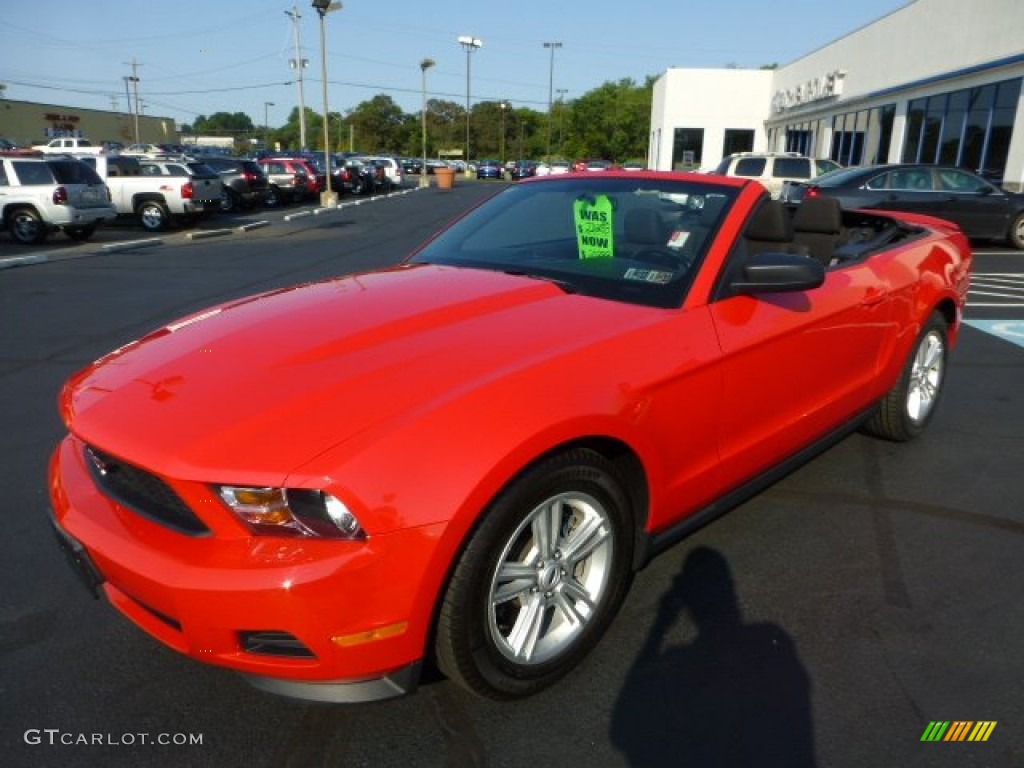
(929, 274)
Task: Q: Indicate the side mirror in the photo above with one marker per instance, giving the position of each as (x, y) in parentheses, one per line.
(779, 273)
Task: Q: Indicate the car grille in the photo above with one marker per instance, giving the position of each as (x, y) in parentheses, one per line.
(142, 492)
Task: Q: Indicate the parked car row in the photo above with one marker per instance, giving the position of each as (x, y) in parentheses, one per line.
(45, 193)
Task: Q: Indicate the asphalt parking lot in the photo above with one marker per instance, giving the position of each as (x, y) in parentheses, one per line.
(831, 619)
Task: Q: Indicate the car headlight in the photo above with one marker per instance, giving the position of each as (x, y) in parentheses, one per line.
(292, 512)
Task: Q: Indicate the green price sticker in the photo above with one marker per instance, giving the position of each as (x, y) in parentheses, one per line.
(594, 227)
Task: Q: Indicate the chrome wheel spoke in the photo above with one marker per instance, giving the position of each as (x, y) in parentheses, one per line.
(546, 524)
(571, 598)
(514, 580)
(527, 630)
(567, 610)
(584, 540)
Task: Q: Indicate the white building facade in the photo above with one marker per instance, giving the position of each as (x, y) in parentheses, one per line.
(936, 81)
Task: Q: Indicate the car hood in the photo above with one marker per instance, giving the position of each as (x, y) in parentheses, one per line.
(257, 387)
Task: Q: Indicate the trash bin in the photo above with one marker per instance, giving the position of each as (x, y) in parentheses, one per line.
(445, 178)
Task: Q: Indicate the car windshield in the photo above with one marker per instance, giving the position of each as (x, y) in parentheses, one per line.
(631, 240)
(73, 172)
(838, 178)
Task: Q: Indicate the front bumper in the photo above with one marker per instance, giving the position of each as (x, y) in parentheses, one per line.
(351, 607)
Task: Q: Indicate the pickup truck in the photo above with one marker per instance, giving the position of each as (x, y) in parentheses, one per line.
(69, 147)
(158, 193)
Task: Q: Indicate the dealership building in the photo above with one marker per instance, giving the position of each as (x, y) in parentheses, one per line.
(935, 81)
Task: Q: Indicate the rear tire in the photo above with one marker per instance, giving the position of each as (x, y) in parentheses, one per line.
(153, 216)
(26, 226)
(539, 580)
(910, 405)
(1016, 237)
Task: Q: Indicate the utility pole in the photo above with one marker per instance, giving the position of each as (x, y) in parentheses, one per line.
(299, 64)
(134, 80)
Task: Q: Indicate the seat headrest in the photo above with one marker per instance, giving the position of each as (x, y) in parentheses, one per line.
(820, 215)
(770, 222)
(645, 227)
(713, 205)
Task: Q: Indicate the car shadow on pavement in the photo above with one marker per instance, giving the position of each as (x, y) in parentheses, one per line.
(737, 695)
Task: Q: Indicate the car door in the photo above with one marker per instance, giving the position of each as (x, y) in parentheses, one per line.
(796, 365)
(980, 209)
(905, 189)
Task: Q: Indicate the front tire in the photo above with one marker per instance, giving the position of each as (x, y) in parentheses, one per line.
(274, 197)
(910, 405)
(153, 216)
(539, 580)
(230, 202)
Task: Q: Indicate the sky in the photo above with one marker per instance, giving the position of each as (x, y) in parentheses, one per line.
(197, 57)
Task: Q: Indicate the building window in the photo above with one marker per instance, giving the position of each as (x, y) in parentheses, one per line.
(933, 118)
(687, 148)
(886, 115)
(915, 121)
(799, 139)
(994, 163)
(970, 128)
(848, 138)
(953, 128)
(737, 140)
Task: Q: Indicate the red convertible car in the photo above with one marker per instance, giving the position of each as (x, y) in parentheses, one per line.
(462, 460)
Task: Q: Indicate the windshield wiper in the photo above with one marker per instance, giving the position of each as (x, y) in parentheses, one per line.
(565, 286)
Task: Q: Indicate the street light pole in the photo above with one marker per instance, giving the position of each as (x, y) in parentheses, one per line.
(470, 44)
(328, 197)
(266, 122)
(551, 89)
(425, 64)
(501, 151)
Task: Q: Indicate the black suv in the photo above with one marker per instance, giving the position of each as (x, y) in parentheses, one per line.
(245, 183)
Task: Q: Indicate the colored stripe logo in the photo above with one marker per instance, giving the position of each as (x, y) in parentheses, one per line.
(958, 730)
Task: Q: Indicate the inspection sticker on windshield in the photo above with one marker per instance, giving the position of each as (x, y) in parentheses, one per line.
(648, 275)
(594, 227)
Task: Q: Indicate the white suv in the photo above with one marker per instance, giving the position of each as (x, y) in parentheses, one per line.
(40, 195)
(774, 169)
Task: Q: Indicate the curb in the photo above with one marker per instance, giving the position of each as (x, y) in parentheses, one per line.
(131, 244)
(208, 233)
(20, 261)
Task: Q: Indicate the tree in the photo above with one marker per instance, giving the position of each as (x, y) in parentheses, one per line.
(224, 124)
(610, 122)
(380, 125)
